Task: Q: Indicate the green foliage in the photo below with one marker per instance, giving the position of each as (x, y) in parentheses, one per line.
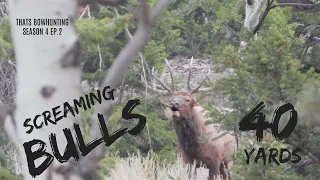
(107, 164)
(5, 175)
(155, 54)
(258, 170)
(168, 34)
(269, 70)
(309, 51)
(157, 137)
(191, 29)
(6, 46)
(161, 141)
(273, 69)
(103, 31)
(205, 22)
(309, 104)
(92, 77)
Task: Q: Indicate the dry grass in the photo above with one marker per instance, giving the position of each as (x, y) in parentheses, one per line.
(136, 167)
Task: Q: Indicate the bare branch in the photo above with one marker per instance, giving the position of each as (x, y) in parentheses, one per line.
(291, 4)
(114, 79)
(87, 9)
(101, 64)
(270, 6)
(135, 45)
(171, 75)
(104, 2)
(139, 53)
(144, 18)
(84, 11)
(155, 13)
(264, 15)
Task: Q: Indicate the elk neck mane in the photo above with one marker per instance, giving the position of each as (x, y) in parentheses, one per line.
(188, 132)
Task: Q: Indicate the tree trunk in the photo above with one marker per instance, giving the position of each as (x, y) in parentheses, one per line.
(252, 15)
(47, 76)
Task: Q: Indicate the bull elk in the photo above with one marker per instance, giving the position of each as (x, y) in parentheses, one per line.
(197, 142)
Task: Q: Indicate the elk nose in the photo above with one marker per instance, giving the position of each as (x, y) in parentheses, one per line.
(174, 106)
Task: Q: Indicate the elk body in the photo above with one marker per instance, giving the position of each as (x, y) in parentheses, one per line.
(198, 142)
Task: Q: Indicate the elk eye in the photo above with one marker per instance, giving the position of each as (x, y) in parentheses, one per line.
(188, 100)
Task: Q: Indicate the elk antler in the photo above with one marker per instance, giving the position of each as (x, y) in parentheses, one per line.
(172, 90)
(171, 75)
(160, 82)
(189, 77)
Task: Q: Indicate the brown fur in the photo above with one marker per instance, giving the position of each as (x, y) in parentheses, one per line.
(195, 138)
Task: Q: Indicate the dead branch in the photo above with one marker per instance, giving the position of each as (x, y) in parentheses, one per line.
(84, 11)
(270, 6)
(139, 53)
(114, 78)
(291, 4)
(104, 2)
(264, 15)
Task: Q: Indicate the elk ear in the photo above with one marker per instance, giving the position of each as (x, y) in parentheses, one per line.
(194, 102)
(163, 100)
(165, 112)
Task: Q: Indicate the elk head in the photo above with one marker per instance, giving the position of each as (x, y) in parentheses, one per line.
(179, 104)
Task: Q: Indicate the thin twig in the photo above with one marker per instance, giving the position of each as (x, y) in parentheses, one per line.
(291, 4)
(84, 11)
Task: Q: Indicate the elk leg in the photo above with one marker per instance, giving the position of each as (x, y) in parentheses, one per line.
(214, 171)
(223, 174)
(228, 173)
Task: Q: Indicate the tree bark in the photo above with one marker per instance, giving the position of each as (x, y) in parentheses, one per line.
(47, 76)
(252, 16)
